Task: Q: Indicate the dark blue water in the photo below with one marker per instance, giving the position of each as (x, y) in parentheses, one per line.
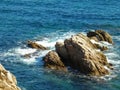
(48, 21)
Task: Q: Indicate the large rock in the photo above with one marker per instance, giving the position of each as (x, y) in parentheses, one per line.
(7, 80)
(80, 53)
(53, 61)
(32, 44)
(100, 35)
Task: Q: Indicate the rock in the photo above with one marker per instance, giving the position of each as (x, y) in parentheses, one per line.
(80, 53)
(100, 35)
(105, 35)
(32, 44)
(7, 80)
(96, 36)
(27, 55)
(102, 48)
(62, 51)
(53, 61)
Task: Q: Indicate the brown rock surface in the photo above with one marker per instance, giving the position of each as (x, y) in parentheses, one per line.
(102, 48)
(7, 80)
(32, 44)
(62, 51)
(100, 35)
(80, 53)
(27, 55)
(53, 61)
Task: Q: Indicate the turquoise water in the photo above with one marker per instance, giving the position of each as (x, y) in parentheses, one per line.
(48, 21)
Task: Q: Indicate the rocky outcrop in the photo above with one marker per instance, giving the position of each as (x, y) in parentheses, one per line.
(53, 61)
(32, 44)
(7, 80)
(100, 35)
(80, 53)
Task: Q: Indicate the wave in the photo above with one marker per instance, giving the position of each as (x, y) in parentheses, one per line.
(111, 54)
(102, 43)
(116, 38)
(24, 51)
(35, 55)
(55, 37)
(108, 77)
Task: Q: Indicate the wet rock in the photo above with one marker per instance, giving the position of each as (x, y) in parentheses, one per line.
(80, 53)
(32, 44)
(53, 61)
(102, 48)
(7, 80)
(100, 35)
(27, 55)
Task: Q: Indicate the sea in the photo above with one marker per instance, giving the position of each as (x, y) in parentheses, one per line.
(47, 22)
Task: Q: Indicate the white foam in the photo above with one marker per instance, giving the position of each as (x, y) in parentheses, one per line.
(43, 53)
(50, 42)
(105, 43)
(28, 60)
(98, 50)
(112, 57)
(101, 43)
(84, 33)
(111, 54)
(46, 43)
(22, 51)
(108, 77)
(93, 41)
(68, 35)
(106, 68)
(115, 62)
(34, 55)
(116, 38)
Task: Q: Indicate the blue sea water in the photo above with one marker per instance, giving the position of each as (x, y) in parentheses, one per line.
(48, 21)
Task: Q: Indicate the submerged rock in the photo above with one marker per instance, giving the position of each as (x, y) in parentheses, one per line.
(100, 35)
(27, 55)
(7, 80)
(32, 44)
(53, 61)
(80, 53)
